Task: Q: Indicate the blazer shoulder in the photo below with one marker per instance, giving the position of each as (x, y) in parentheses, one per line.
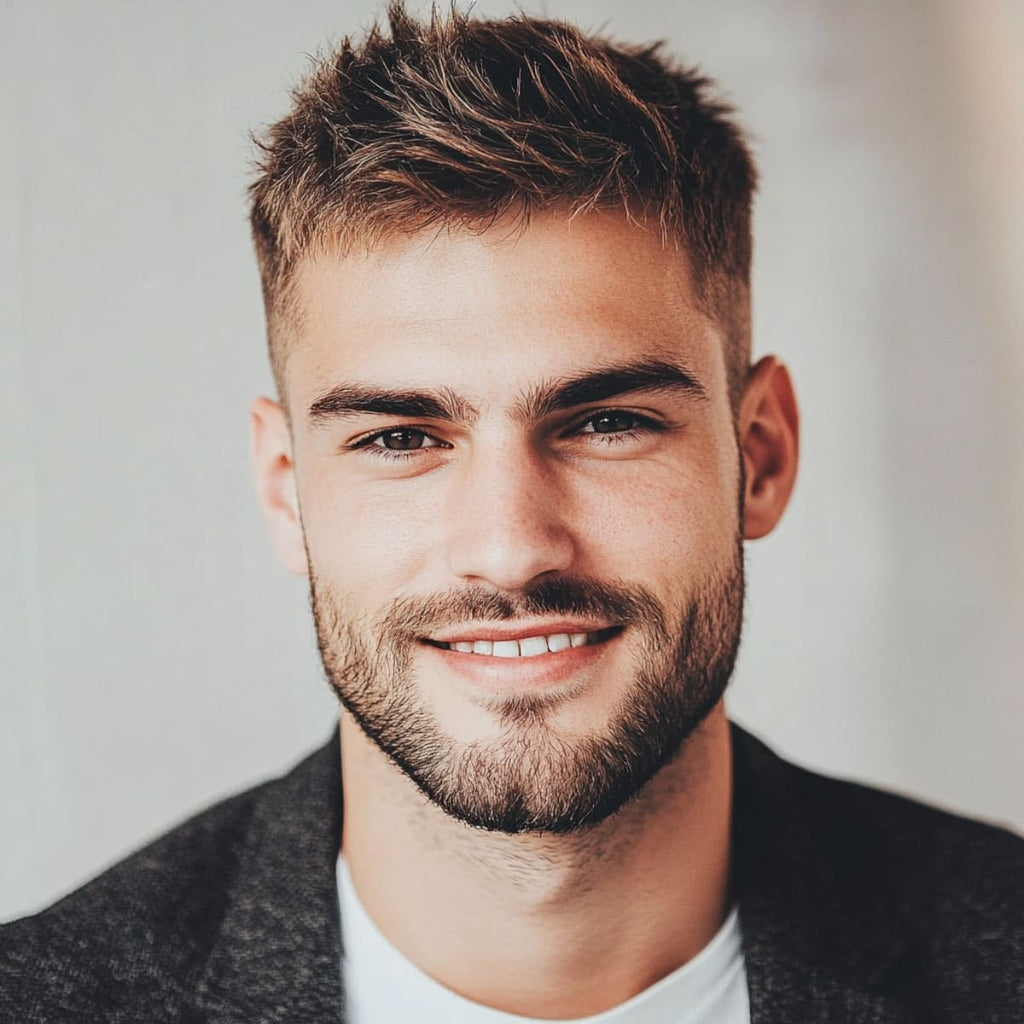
(141, 928)
(907, 835)
(919, 843)
(951, 885)
(921, 903)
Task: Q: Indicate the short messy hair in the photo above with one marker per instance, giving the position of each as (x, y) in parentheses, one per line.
(458, 121)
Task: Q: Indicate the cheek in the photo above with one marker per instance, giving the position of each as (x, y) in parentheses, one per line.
(367, 540)
(660, 519)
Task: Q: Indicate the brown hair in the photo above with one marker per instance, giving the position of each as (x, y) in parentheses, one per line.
(461, 120)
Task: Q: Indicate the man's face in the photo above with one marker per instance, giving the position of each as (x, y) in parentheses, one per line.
(519, 482)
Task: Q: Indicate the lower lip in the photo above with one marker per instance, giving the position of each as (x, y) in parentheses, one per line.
(542, 670)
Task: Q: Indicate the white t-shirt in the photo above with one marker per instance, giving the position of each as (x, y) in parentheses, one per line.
(383, 987)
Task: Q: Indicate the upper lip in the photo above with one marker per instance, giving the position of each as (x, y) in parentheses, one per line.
(516, 630)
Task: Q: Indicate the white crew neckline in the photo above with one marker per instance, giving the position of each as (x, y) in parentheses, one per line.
(383, 985)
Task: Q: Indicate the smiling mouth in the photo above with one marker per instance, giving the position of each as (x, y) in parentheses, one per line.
(527, 647)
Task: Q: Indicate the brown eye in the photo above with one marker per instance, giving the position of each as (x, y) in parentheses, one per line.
(610, 423)
(402, 440)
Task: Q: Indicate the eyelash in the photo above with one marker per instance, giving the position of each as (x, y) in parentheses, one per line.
(642, 425)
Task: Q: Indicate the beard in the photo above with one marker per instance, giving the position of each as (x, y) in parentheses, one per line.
(532, 778)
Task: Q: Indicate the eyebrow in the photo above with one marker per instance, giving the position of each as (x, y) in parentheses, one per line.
(607, 382)
(350, 400)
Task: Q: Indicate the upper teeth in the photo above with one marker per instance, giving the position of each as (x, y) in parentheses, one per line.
(529, 647)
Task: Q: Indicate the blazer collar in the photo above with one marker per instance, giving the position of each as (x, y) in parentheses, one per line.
(819, 938)
(277, 955)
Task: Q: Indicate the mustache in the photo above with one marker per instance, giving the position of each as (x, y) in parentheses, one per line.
(622, 603)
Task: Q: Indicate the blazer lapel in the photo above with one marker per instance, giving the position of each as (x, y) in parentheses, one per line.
(277, 955)
(821, 941)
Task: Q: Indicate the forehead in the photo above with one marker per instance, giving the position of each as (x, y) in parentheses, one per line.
(476, 310)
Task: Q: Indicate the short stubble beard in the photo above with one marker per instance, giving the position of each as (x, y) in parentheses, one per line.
(532, 779)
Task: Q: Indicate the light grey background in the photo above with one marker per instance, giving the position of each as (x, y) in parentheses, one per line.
(153, 656)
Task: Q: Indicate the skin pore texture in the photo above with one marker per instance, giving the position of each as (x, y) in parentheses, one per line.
(502, 435)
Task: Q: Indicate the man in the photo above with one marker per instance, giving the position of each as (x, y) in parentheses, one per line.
(517, 448)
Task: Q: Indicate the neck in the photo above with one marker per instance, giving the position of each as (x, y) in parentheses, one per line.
(553, 926)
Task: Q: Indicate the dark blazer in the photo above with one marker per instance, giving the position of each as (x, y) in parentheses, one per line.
(855, 906)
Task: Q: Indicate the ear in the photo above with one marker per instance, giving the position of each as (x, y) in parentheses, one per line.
(769, 435)
(274, 469)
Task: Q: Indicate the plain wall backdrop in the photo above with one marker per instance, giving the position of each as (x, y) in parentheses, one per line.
(152, 655)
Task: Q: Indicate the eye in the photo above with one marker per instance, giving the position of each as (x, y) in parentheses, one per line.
(620, 429)
(612, 421)
(403, 440)
(396, 444)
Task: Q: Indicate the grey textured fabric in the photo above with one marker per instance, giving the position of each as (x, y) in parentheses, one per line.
(856, 906)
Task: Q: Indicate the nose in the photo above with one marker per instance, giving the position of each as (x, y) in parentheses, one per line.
(508, 521)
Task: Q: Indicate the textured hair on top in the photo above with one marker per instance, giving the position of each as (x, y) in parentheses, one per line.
(460, 121)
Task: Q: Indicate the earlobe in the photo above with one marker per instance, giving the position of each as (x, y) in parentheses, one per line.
(274, 471)
(769, 433)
